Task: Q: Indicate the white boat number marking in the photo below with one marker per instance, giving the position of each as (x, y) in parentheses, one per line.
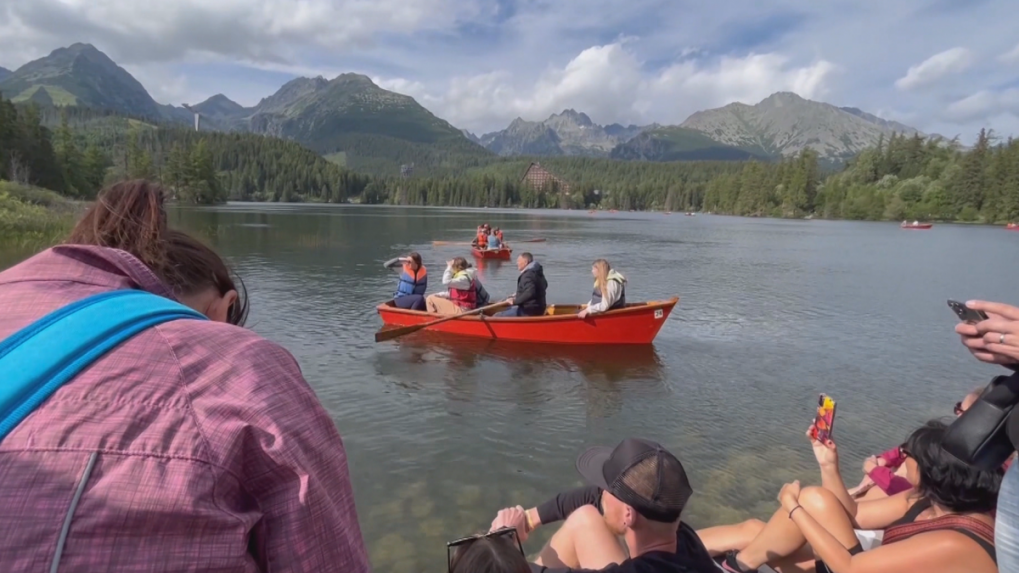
(659, 313)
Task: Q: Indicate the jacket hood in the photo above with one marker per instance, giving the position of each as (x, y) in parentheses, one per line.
(533, 266)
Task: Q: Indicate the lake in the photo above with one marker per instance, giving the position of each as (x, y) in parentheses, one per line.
(442, 432)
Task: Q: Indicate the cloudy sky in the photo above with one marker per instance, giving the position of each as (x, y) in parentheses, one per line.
(943, 66)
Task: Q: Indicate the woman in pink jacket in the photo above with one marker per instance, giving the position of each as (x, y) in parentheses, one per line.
(196, 445)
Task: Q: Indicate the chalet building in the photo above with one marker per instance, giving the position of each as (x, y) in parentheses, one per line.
(538, 177)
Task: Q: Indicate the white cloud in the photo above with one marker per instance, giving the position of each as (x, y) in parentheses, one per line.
(610, 84)
(1010, 57)
(984, 105)
(265, 31)
(934, 68)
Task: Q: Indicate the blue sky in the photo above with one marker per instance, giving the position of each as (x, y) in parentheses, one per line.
(942, 66)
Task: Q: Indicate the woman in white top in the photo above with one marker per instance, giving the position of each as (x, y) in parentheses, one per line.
(609, 289)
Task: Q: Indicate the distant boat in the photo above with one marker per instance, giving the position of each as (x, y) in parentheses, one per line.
(1012, 227)
(690, 214)
(916, 225)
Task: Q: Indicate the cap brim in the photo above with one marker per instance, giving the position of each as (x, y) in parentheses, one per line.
(591, 465)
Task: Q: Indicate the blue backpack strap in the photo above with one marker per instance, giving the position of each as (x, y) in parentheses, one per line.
(43, 356)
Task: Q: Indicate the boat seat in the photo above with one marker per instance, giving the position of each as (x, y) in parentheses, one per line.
(550, 310)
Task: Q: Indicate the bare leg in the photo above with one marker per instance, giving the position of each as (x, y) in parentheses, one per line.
(583, 542)
(782, 538)
(724, 538)
(441, 305)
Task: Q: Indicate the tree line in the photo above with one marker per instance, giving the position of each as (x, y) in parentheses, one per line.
(901, 177)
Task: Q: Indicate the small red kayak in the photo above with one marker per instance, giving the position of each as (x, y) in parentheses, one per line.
(502, 254)
(919, 226)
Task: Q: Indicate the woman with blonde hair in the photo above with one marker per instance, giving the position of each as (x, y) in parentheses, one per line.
(609, 289)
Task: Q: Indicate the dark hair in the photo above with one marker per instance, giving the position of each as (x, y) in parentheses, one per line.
(489, 555)
(197, 267)
(131, 216)
(527, 257)
(414, 256)
(946, 481)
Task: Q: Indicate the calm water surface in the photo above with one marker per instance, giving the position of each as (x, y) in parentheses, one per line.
(442, 432)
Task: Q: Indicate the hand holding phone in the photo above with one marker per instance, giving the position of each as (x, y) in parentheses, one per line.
(965, 313)
(824, 420)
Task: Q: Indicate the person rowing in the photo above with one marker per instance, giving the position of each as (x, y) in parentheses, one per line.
(465, 290)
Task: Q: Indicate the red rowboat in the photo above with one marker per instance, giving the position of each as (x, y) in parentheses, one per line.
(502, 254)
(637, 323)
(1012, 227)
(916, 225)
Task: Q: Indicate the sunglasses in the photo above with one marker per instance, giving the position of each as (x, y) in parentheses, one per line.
(452, 546)
(958, 409)
(903, 452)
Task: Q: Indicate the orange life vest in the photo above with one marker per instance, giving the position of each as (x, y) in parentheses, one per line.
(482, 240)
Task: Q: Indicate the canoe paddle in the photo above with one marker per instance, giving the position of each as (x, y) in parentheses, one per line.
(389, 334)
(463, 243)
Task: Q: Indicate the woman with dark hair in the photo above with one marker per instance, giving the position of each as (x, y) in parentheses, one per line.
(495, 552)
(192, 445)
(410, 293)
(944, 525)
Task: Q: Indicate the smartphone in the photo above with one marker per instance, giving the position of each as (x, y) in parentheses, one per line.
(824, 420)
(965, 313)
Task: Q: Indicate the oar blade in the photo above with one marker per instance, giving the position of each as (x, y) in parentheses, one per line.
(391, 333)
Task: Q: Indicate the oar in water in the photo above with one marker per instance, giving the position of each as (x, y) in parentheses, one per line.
(464, 243)
(384, 335)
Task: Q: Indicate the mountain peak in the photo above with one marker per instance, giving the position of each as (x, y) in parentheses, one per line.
(220, 106)
(579, 118)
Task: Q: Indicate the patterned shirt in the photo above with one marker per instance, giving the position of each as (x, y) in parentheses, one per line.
(196, 446)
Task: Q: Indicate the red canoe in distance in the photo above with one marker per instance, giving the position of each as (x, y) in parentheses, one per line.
(1012, 227)
(917, 226)
(637, 323)
(502, 254)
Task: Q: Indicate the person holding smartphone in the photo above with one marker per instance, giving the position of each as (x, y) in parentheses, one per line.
(995, 340)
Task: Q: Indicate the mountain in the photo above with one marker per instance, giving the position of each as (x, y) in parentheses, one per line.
(352, 119)
(679, 144)
(567, 133)
(784, 124)
(80, 75)
(4, 72)
(221, 107)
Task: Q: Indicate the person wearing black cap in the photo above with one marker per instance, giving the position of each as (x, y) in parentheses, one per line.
(641, 490)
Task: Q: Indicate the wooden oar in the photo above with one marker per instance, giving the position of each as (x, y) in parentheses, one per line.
(384, 335)
(466, 244)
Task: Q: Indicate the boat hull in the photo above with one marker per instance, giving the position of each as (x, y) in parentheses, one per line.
(637, 323)
(502, 254)
(920, 227)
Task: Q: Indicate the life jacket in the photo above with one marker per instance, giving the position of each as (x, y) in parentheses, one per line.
(482, 240)
(412, 282)
(465, 299)
(499, 234)
(613, 276)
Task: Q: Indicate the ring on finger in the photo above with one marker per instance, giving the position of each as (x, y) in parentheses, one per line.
(1001, 339)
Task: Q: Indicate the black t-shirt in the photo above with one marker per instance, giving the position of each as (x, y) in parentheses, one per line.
(690, 556)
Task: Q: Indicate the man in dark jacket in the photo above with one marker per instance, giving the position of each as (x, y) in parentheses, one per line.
(529, 299)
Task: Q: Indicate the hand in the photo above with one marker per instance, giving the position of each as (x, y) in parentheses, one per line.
(789, 497)
(983, 339)
(511, 298)
(869, 464)
(514, 517)
(865, 484)
(582, 314)
(826, 454)
(449, 264)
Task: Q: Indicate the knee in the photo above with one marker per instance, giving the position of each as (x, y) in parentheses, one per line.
(751, 527)
(584, 517)
(816, 498)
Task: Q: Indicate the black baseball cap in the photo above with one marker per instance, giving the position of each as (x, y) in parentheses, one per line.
(641, 474)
